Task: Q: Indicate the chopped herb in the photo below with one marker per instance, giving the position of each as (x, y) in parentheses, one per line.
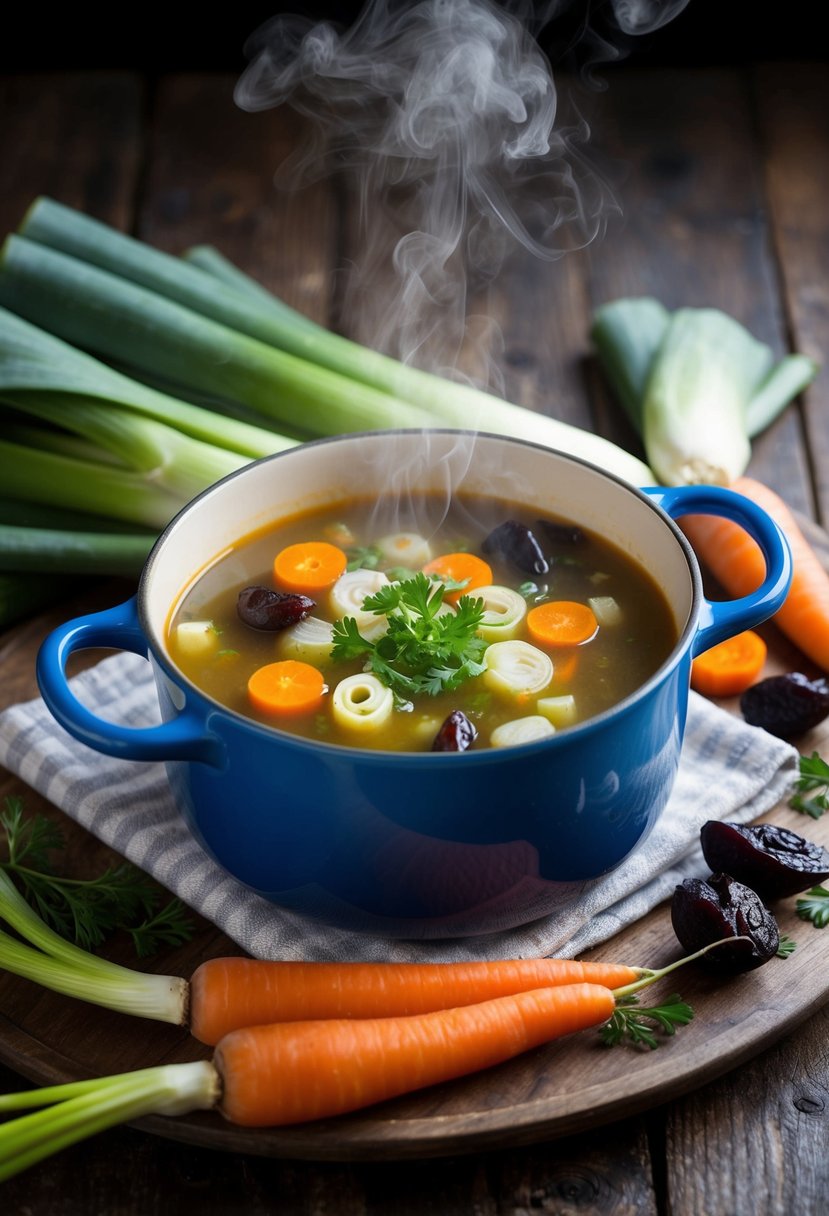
(786, 946)
(814, 906)
(814, 780)
(363, 557)
(639, 1027)
(422, 651)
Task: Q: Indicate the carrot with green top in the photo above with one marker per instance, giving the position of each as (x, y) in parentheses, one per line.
(297, 1072)
(736, 561)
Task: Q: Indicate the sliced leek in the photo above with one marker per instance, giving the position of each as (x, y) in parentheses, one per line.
(348, 594)
(521, 730)
(504, 610)
(517, 669)
(407, 549)
(309, 641)
(361, 703)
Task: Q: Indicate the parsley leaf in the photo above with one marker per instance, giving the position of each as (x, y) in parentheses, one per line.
(814, 906)
(814, 779)
(423, 649)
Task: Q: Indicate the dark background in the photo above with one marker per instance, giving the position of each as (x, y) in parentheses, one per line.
(160, 38)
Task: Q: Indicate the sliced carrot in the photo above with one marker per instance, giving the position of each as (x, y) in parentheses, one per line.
(736, 561)
(464, 568)
(230, 993)
(561, 623)
(294, 1072)
(312, 565)
(730, 667)
(286, 688)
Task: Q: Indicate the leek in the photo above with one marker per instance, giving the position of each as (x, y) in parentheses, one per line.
(24, 594)
(696, 384)
(159, 314)
(65, 552)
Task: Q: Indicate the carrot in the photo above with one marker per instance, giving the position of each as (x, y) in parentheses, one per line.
(565, 666)
(731, 667)
(286, 688)
(561, 623)
(312, 565)
(230, 993)
(464, 568)
(299, 1071)
(735, 559)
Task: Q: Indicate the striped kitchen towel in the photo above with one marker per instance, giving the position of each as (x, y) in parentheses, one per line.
(728, 771)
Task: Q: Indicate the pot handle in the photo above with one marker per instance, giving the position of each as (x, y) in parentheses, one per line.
(182, 738)
(723, 619)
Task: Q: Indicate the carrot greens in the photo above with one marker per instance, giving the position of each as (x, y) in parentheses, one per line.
(639, 1027)
(85, 911)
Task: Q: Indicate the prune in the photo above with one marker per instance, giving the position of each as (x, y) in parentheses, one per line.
(262, 608)
(771, 860)
(786, 705)
(456, 734)
(515, 542)
(561, 534)
(721, 908)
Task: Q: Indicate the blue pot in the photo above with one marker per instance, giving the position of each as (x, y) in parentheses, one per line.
(426, 844)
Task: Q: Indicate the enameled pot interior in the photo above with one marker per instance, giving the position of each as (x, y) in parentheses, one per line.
(314, 475)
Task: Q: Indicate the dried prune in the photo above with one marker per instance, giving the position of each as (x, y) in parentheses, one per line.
(703, 912)
(456, 734)
(787, 705)
(559, 533)
(771, 860)
(516, 544)
(262, 608)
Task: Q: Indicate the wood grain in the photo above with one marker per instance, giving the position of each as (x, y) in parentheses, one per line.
(555, 1091)
(693, 228)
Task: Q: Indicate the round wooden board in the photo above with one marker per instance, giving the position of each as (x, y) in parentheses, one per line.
(552, 1091)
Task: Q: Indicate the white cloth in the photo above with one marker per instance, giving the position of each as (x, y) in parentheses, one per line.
(728, 770)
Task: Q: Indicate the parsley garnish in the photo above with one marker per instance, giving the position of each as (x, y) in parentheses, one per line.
(814, 779)
(87, 910)
(422, 651)
(814, 906)
(639, 1027)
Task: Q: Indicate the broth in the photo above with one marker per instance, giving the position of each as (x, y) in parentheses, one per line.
(635, 630)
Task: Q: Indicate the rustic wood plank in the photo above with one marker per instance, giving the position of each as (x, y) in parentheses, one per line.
(211, 180)
(77, 138)
(757, 1142)
(793, 103)
(682, 151)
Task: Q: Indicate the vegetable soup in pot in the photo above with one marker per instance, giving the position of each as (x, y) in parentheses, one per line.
(417, 627)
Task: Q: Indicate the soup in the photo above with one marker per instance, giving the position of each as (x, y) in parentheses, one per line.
(475, 626)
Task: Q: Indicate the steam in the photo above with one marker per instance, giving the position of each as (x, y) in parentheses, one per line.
(443, 116)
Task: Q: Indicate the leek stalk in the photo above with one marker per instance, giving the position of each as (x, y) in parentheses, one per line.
(25, 548)
(159, 314)
(696, 385)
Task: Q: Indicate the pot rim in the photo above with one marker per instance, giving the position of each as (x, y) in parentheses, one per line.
(488, 755)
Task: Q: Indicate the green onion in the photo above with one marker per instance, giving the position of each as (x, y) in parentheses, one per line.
(695, 383)
(158, 313)
(55, 963)
(82, 1108)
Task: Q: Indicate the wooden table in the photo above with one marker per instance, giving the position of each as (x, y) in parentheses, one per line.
(722, 178)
